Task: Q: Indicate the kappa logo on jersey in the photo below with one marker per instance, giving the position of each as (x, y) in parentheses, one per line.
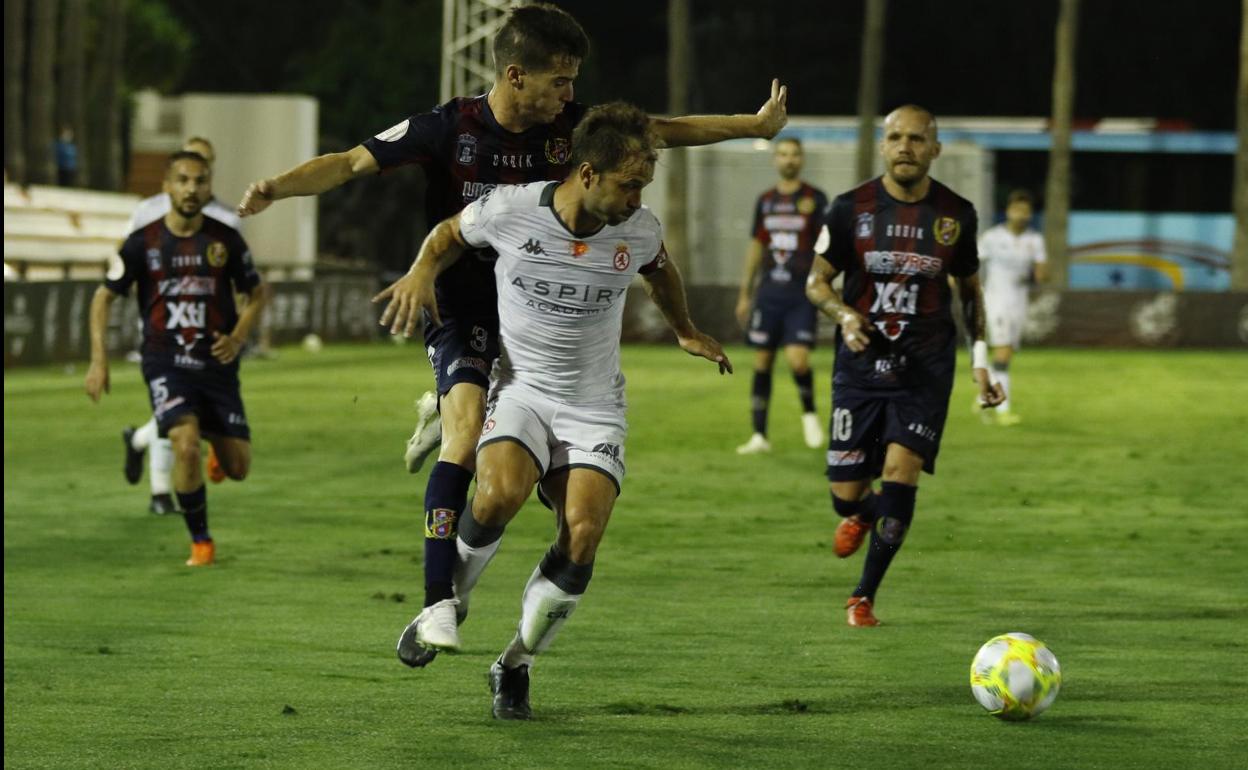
(558, 151)
(395, 132)
(466, 150)
(806, 205)
(895, 298)
(216, 254)
(947, 231)
(622, 258)
(533, 246)
(153, 259)
(185, 315)
(865, 226)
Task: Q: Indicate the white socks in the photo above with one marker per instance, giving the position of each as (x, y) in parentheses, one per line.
(144, 435)
(470, 563)
(160, 466)
(545, 607)
(1004, 379)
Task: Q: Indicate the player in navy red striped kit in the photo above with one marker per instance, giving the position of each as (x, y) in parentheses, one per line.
(772, 305)
(187, 267)
(519, 132)
(897, 239)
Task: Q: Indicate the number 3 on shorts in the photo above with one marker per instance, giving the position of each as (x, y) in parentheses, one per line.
(480, 338)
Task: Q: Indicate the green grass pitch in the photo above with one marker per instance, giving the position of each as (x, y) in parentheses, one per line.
(1110, 524)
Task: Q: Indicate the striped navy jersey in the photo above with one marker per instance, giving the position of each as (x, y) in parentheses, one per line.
(786, 226)
(186, 288)
(897, 258)
(465, 153)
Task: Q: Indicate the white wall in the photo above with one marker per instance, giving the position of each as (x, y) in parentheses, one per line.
(255, 137)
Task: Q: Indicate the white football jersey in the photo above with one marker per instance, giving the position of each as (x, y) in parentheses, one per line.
(155, 207)
(560, 296)
(1007, 260)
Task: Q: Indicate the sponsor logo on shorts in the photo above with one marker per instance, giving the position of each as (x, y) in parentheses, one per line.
(467, 362)
(440, 524)
(947, 231)
(923, 430)
(610, 450)
(167, 404)
(235, 418)
(759, 338)
(838, 457)
(216, 254)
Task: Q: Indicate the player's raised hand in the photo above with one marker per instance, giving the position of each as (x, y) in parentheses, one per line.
(774, 113)
(854, 330)
(97, 380)
(409, 296)
(990, 393)
(224, 347)
(704, 345)
(257, 198)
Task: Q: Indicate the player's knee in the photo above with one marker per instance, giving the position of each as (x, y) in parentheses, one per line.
(236, 468)
(584, 534)
(498, 497)
(903, 470)
(186, 450)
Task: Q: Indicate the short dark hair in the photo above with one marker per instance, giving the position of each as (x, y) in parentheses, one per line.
(793, 140)
(1021, 196)
(535, 35)
(610, 134)
(186, 155)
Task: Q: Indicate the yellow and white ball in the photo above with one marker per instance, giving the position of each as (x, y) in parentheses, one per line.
(1015, 676)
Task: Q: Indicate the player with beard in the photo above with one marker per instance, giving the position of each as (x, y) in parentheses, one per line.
(187, 267)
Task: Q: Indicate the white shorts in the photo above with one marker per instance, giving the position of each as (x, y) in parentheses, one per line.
(1006, 329)
(557, 435)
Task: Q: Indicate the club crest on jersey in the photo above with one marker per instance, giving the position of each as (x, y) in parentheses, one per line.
(466, 150)
(806, 205)
(558, 151)
(892, 329)
(579, 248)
(865, 226)
(489, 426)
(622, 258)
(947, 231)
(216, 254)
(153, 260)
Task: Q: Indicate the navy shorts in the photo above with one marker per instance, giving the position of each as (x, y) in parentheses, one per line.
(775, 324)
(462, 349)
(212, 394)
(865, 422)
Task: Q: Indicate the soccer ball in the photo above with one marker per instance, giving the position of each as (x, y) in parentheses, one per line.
(1015, 676)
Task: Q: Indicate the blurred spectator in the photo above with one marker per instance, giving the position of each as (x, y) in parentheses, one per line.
(66, 158)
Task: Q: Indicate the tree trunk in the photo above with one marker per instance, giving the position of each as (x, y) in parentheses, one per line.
(869, 87)
(1239, 254)
(676, 222)
(105, 98)
(70, 95)
(41, 96)
(14, 60)
(1057, 186)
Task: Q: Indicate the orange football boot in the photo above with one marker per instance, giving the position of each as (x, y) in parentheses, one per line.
(216, 474)
(858, 609)
(203, 554)
(849, 536)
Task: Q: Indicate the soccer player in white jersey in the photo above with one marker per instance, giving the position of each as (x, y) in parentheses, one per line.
(1012, 254)
(567, 252)
(143, 439)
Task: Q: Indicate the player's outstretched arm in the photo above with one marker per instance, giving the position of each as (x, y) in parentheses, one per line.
(311, 177)
(693, 130)
(854, 328)
(745, 298)
(413, 294)
(97, 383)
(971, 293)
(667, 290)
